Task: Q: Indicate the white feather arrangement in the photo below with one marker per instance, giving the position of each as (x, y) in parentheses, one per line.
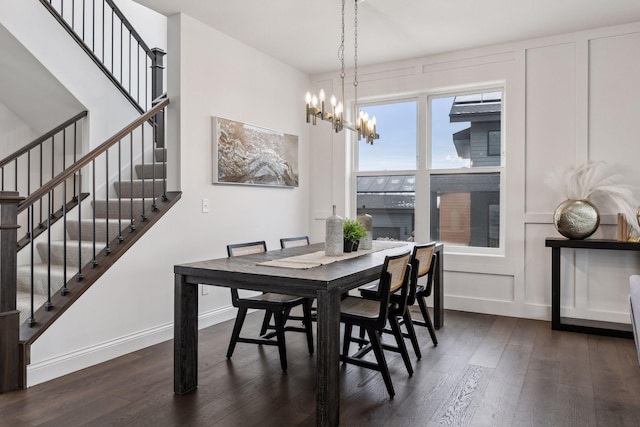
(600, 183)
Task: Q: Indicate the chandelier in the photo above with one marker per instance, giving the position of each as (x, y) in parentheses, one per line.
(364, 126)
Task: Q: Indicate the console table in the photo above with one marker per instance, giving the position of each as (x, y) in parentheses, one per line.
(587, 326)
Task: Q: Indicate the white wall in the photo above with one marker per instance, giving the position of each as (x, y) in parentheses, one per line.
(210, 74)
(14, 133)
(34, 27)
(568, 99)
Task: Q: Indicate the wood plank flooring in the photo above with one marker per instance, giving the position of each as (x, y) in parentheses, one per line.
(486, 371)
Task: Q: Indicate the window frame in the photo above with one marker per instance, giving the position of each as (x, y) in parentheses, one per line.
(423, 171)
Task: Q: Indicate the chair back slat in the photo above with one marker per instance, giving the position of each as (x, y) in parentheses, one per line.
(246, 248)
(292, 242)
(424, 255)
(397, 268)
(395, 274)
(422, 264)
(240, 249)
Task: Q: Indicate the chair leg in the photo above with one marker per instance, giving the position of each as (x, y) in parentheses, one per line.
(265, 323)
(361, 343)
(306, 308)
(242, 313)
(346, 341)
(397, 333)
(382, 362)
(279, 318)
(425, 313)
(412, 334)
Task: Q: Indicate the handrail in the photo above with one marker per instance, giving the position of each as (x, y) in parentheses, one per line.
(85, 160)
(41, 139)
(129, 27)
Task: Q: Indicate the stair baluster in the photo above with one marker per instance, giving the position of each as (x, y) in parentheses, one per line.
(138, 78)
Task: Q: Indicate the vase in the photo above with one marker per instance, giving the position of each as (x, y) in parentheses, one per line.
(576, 219)
(366, 220)
(333, 242)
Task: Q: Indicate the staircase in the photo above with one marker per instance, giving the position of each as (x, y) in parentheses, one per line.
(109, 219)
(82, 219)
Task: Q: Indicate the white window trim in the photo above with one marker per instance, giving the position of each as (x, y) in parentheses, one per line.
(423, 171)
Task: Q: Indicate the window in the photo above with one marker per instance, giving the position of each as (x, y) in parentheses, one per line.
(390, 200)
(398, 129)
(465, 169)
(460, 182)
(387, 196)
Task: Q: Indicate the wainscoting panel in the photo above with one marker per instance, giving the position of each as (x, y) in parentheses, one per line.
(613, 93)
(481, 286)
(551, 120)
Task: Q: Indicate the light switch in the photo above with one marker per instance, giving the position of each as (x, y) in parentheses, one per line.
(205, 205)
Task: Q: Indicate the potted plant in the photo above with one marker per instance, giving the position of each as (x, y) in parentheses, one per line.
(353, 231)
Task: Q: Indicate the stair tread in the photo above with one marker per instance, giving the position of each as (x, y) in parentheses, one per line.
(23, 303)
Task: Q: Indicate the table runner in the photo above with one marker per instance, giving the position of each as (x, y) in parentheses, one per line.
(319, 258)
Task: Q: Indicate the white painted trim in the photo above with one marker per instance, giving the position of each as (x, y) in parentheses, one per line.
(496, 307)
(58, 366)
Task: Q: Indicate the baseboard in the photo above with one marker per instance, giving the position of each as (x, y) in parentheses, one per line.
(497, 307)
(58, 366)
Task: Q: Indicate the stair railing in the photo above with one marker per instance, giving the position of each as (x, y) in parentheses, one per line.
(41, 160)
(95, 173)
(107, 36)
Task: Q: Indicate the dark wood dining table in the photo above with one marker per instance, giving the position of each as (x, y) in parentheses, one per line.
(325, 282)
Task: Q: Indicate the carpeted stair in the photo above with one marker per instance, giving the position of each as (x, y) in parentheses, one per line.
(126, 195)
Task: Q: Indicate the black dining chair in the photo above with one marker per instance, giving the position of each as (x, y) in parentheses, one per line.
(422, 264)
(371, 315)
(276, 305)
(427, 262)
(292, 242)
(288, 242)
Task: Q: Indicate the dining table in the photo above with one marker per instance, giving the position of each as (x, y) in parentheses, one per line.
(267, 272)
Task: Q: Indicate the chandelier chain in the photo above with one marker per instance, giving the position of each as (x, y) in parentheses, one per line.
(355, 55)
(341, 50)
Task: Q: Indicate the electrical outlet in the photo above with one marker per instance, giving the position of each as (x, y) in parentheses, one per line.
(205, 205)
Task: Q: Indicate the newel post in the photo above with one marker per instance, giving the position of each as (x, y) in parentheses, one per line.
(157, 71)
(10, 369)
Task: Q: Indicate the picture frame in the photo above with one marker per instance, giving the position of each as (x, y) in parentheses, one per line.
(245, 154)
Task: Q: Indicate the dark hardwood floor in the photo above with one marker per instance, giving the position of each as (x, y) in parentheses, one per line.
(486, 371)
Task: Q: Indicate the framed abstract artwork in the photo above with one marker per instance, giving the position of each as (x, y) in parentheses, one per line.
(251, 155)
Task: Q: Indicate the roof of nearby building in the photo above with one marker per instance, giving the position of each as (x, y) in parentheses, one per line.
(476, 105)
(387, 201)
(387, 184)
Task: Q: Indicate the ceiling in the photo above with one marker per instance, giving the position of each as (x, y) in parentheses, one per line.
(306, 33)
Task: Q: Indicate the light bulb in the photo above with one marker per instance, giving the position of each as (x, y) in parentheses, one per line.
(333, 100)
(307, 97)
(314, 100)
(321, 95)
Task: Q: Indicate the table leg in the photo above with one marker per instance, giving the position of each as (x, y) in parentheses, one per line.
(328, 359)
(185, 333)
(555, 288)
(438, 291)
